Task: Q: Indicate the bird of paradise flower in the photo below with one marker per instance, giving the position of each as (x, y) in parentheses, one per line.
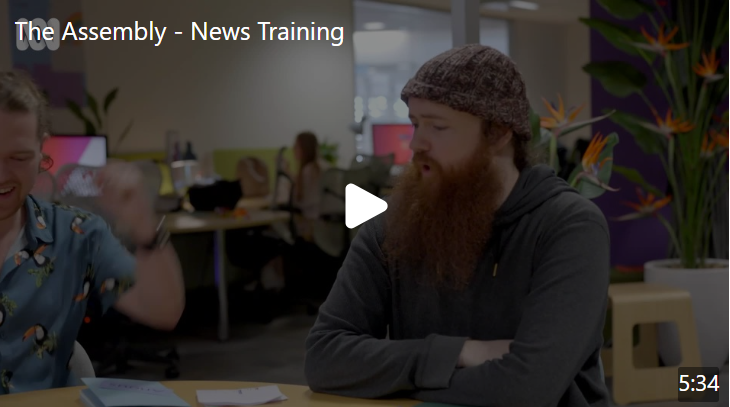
(669, 125)
(720, 138)
(562, 121)
(648, 205)
(594, 160)
(662, 43)
(708, 67)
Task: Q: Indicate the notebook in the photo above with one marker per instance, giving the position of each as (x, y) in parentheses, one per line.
(104, 392)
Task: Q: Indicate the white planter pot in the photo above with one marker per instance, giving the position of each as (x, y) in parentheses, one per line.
(709, 290)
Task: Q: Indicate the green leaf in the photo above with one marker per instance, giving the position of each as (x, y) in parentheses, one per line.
(620, 79)
(534, 124)
(541, 140)
(589, 189)
(75, 109)
(581, 124)
(625, 9)
(647, 140)
(94, 108)
(109, 99)
(124, 133)
(553, 154)
(635, 177)
(619, 36)
(90, 129)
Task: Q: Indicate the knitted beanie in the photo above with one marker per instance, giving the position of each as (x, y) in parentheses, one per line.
(478, 80)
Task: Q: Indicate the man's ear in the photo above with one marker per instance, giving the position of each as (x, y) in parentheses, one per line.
(46, 161)
(502, 136)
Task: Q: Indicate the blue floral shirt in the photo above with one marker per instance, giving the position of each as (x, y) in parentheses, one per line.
(64, 256)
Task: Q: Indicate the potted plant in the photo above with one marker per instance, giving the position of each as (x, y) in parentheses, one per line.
(691, 141)
(328, 152)
(591, 174)
(97, 122)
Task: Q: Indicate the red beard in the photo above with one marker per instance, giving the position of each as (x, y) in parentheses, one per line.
(439, 226)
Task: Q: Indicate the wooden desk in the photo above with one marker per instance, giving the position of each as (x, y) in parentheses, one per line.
(183, 222)
(299, 396)
(254, 203)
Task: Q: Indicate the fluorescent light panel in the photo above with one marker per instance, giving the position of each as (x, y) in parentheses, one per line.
(525, 5)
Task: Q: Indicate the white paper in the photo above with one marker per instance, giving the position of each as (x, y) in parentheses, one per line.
(254, 396)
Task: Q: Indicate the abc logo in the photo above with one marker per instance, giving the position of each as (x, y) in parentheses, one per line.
(35, 35)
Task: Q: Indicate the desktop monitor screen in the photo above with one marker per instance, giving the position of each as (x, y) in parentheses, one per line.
(90, 151)
(393, 139)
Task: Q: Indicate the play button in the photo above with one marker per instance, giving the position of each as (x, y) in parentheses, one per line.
(361, 206)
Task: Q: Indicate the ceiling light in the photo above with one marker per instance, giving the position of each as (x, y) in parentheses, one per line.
(374, 25)
(526, 5)
(495, 6)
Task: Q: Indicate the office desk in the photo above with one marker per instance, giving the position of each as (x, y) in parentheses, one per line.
(299, 396)
(183, 222)
(254, 203)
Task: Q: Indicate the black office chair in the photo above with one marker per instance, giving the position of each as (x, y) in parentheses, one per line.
(113, 343)
(318, 261)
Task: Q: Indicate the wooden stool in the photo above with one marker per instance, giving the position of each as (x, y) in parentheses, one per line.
(636, 374)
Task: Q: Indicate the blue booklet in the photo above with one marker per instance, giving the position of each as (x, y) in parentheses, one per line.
(103, 392)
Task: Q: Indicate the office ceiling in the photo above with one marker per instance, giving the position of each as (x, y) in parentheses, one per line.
(558, 11)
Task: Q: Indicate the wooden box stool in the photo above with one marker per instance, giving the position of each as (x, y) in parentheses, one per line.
(641, 379)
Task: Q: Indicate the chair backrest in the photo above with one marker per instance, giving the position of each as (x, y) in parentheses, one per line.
(379, 167)
(80, 363)
(253, 175)
(330, 233)
(45, 187)
(281, 193)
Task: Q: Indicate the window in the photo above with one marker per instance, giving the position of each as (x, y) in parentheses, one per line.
(391, 42)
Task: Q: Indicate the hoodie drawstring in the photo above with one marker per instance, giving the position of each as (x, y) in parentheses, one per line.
(496, 250)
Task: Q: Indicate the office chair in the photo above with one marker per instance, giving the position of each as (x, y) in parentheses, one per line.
(112, 339)
(379, 167)
(319, 261)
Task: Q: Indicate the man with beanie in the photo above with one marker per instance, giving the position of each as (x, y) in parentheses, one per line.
(485, 282)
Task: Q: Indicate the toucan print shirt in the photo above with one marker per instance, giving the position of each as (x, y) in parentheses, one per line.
(63, 257)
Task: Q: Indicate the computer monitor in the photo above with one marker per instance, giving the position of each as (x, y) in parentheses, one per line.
(393, 139)
(90, 151)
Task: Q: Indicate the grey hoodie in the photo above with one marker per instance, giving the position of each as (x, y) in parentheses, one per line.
(378, 336)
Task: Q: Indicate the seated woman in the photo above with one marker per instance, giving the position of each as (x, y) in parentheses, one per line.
(263, 255)
(306, 193)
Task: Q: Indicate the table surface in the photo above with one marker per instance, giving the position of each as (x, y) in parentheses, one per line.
(184, 222)
(254, 203)
(299, 396)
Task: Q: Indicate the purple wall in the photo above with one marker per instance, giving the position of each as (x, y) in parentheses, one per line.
(633, 242)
